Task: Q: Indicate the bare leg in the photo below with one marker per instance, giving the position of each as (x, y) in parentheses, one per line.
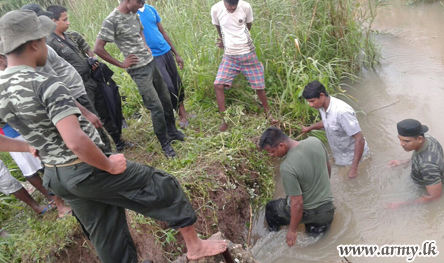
(183, 115)
(37, 182)
(220, 98)
(24, 196)
(198, 248)
(263, 98)
(62, 209)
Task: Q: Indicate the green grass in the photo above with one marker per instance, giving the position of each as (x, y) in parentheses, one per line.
(335, 41)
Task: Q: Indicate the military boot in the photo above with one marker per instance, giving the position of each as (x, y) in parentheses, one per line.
(173, 133)
(166, 146)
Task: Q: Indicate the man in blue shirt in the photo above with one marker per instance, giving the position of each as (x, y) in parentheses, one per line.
(163, 49)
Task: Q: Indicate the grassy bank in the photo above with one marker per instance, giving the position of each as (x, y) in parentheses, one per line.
(333, 43)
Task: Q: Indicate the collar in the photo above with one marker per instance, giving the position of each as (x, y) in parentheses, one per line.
(426, 144)
(11, 70)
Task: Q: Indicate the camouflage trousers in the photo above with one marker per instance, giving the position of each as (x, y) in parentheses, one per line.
(155, 95)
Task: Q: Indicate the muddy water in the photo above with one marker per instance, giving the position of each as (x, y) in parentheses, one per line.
(408, 84)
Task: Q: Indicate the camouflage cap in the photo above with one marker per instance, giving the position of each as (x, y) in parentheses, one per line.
(37, 9)
(20, 26)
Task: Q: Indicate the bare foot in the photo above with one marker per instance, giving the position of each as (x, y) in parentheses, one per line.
(63, 211)
(207, 248)
(223, 127)
(272, 120)
(41, 209)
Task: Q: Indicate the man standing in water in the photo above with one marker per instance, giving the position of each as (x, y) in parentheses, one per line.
(427, 160)
(341, 126)
(305, 172)
(98, 187)
(233, 20)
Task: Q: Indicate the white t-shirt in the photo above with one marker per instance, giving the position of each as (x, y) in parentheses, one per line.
(235, 34)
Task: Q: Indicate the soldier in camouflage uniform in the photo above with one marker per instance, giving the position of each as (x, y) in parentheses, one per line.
(427, 160)
(97, 187)
(123, 27)
(75, 50)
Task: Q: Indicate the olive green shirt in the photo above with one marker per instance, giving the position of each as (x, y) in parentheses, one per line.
(304, 172)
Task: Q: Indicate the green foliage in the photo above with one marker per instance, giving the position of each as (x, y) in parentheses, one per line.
(8, 5)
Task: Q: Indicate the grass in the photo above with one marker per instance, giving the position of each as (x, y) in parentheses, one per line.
(334, 42)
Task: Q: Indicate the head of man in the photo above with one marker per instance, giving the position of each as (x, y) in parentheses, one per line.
(411, 134)
(133, 5)
(37, 9)
(315, 94)
(60, 17)
(23, 35)
(275, 142)
(231, 5)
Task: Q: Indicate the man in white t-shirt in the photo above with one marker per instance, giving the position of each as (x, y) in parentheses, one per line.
(233, 19)
(341, 126)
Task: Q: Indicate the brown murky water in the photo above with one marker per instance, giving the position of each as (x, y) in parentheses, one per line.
(408, 84)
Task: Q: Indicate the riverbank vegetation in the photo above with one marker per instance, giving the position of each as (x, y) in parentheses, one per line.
(225, 175)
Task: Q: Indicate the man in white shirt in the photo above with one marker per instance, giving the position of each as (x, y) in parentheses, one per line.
(341, 126)
(233, 20)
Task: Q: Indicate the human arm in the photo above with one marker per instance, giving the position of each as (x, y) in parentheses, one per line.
(173, 49)
(395, 163)
(359, 149)
(99, 49)
(89, 116)
(296, 210)
(317, 126)
(329, 169)
(82, 146)
(14, 145)
(434, 192)
(220, 42)
(249, 26)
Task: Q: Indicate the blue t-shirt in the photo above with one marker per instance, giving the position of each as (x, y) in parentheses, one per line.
(10, 132)
(154, 39)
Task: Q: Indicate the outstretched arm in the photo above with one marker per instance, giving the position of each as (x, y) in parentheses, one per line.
(99, 49)
(296, 209)
(14, 145)
(89, 116)
(434, 192)
(317, 126)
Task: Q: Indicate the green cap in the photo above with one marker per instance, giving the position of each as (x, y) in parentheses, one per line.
(20, 26)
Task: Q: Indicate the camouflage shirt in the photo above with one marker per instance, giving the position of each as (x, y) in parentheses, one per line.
(124, 30)
(428, 163)
(32, 103)
(57, 66)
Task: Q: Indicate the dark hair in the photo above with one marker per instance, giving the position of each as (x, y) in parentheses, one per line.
(56, 11)
(313, 90)
(272, 137)
(232, 2)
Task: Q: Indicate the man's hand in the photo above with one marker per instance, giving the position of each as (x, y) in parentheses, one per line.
(291, 238)
(118, 164)
(179, 61)
(352, 172)
(34, 151)
(94, 120)
(305, 129)
(394, 205)
(220, 43)
(129, 61)
(95, 66)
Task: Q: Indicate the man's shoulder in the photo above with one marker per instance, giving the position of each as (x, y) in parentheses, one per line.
(244, 5)
(340, 107)
(217, 6)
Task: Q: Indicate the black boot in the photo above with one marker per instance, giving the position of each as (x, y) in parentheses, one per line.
(122, 145)
(166, 146)
(173, 133)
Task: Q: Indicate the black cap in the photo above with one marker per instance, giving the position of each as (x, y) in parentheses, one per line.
(37, 9)
(411, 128)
